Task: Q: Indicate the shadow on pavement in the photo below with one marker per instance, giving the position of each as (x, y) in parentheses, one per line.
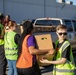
(46, 69)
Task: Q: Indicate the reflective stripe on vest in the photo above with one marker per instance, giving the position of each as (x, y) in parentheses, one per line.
(68, 68)
(11, 48)
(63, 70)
(12, 54)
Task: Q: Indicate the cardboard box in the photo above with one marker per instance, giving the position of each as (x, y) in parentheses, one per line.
(44, 42)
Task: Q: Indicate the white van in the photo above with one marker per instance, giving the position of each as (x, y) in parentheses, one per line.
(48, 25)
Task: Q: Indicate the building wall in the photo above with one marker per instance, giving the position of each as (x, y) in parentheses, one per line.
(1, 5)
(32, 9)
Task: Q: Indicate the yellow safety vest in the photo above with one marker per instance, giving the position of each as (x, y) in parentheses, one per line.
(68, 68)
(1, 34)
(11, 48)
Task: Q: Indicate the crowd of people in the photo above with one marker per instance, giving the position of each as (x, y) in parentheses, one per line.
(19, 51)
(8, 45)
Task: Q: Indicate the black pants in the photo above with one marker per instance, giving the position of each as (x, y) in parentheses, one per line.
(29, 71)
(3, 62)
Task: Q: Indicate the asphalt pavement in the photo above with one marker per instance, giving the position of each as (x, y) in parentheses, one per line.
(47, 70)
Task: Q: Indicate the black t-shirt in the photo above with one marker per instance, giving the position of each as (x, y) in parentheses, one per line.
(66, 52)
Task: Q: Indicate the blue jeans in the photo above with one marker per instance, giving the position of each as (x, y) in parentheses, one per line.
(12, 67)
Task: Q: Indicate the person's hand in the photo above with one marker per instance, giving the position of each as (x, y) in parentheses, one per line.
(44, 61)
(51, 52)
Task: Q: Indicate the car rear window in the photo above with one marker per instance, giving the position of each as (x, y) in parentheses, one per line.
(47, 22)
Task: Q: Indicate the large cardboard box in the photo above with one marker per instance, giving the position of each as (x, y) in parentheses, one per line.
(44, 42)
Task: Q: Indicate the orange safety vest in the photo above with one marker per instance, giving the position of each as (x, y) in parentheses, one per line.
(25, 59)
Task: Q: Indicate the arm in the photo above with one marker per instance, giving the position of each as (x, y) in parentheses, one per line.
(65, 56)
(35, 51)
(62, 61)
(32, 47)
(16, 38)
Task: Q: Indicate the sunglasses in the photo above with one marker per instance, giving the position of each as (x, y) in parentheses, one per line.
(62, 33)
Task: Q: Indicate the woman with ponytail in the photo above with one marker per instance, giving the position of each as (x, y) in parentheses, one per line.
(27, 51)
